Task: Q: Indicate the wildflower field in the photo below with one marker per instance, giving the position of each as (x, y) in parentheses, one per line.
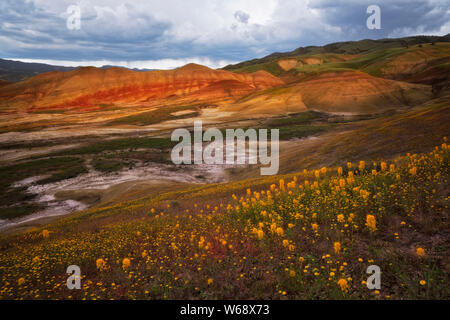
(309, 235)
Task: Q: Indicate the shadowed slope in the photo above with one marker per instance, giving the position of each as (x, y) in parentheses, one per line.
(3, 83)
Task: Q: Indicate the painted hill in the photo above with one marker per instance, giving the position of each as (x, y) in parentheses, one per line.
(426, 63)
(364, 77)
(337, 92)
(88, 86)
(358, 92)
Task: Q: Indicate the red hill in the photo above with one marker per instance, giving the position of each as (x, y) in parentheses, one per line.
(89, 86)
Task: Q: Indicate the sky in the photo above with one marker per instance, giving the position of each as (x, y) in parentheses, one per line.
(164, 34)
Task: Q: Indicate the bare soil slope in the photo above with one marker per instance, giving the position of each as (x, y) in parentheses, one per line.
(357, 92)
(85, 87)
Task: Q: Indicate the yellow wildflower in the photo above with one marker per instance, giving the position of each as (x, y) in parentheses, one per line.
(282, 188)
(260, 234)
(343, 284)
(371, 222)
(126, 263)
(100, 263)
(362, 165)
(337, 247)
(280, 231)
(420, 252)
(45, 233)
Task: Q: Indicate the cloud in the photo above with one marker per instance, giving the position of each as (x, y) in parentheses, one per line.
(165, 32)
(398, 18)
(241, 16)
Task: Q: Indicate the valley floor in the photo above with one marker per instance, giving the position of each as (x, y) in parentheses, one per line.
(44, 178)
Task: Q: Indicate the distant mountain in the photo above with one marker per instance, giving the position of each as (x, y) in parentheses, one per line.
(135, 69)
(14, 71)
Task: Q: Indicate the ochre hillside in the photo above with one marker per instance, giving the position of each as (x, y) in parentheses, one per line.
(426, 63)
(354, 91)
(369, 82)
(341, 92)
(409, 64)
(88, 86)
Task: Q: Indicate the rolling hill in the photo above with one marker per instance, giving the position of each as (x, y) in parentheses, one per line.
(423, 63)
(88, 86)
(349, 47)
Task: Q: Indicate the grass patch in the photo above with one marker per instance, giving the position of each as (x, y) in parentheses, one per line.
(107, 165)
(60, 168)
(300, 125)
(271, 67)
(18, 211)
(300, 131)
(13, 201)
(65, 173)
(153, 117)
(300, 118)
(120, 144)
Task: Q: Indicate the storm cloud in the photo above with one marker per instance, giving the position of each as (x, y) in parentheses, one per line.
(166, 34)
